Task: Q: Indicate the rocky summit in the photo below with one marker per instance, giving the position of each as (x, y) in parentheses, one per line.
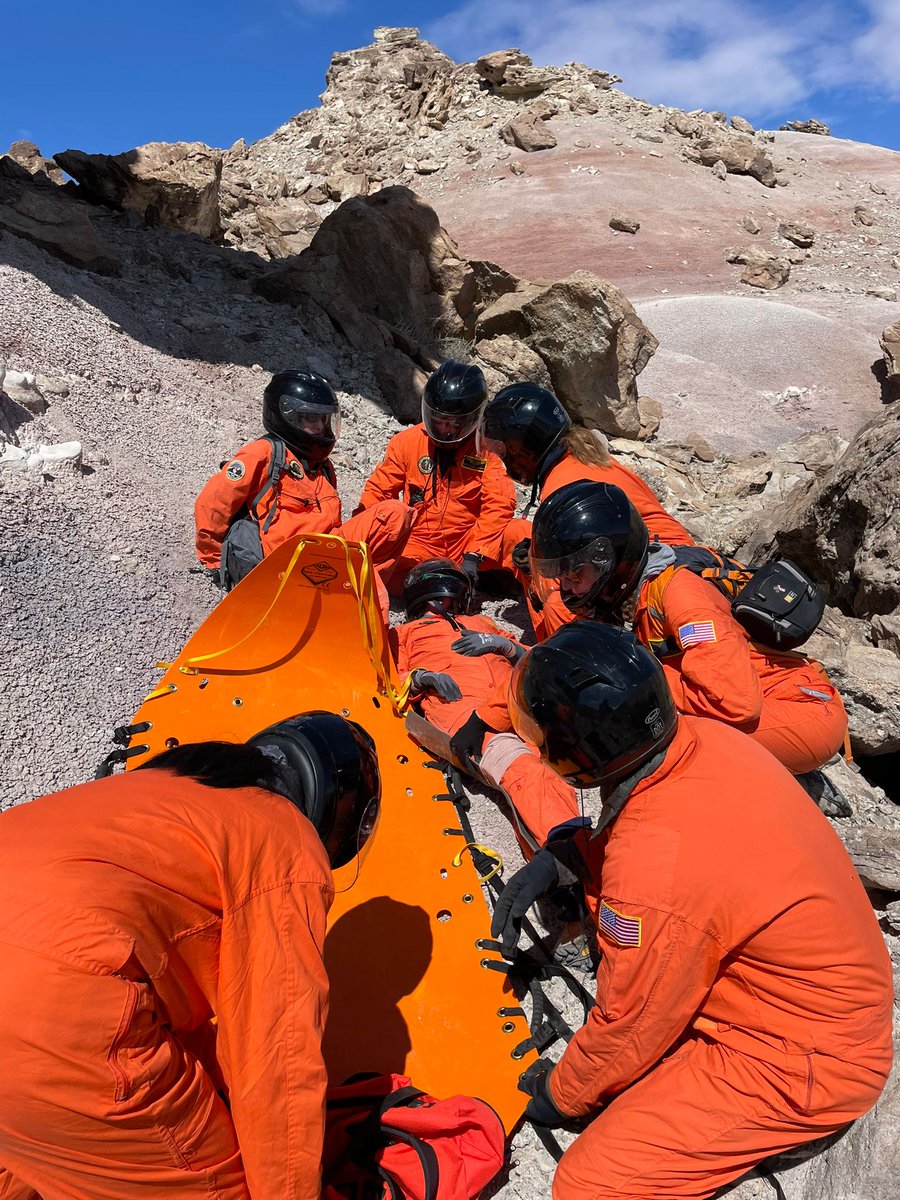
(719, 302)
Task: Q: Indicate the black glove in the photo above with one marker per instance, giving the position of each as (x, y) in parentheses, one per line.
(467, 741)
(559, 864)
(470, 564)
(541, 1108)
(473, 644)
(442, 685)
(521, 556)
(214, 575)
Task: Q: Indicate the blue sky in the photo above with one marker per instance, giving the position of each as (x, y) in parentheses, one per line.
(105, 77)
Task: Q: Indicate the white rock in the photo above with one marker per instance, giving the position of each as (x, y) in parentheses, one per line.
(13, 458)
(60, 454)
(19, 379)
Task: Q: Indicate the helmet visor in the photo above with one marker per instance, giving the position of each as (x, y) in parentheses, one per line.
(318, 421)
(485, 444)
(561, 752)
(580, 570)
(448, 429)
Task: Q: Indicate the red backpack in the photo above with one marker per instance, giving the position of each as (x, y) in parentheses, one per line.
(386, 1140)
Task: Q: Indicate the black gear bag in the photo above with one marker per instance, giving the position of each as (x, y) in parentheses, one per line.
(777, 603)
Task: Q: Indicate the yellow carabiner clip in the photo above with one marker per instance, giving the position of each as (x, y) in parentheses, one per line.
(457, 859)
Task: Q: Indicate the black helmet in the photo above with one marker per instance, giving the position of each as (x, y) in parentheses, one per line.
(521, 425)
(300, 407)
(330, 771)
(438, 585)
(452, 399)
(589, 537)
(594, 701)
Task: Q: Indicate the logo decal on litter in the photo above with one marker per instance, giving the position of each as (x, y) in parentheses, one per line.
(235, 470)
(696, 632)
(426, 466)
(319, 573)
(623, 930)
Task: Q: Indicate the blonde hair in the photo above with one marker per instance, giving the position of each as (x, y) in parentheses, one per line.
(587, 445)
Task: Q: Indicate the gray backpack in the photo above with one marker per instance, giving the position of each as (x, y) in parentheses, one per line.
(242, 546)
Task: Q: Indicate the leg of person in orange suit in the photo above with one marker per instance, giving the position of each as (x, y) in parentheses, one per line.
(384, 528)
(706, 1115)
(107, 1107)
(801, 730)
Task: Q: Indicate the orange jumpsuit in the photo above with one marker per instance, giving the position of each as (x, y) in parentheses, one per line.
(135, 909)
(783, 701)
(549, 616)
(462, 502)
(540, 797)
(305, 500)
(744, 994)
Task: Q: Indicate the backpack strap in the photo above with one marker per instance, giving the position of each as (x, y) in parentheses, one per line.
(428, 1161)
(277, 460)
(659, 643)
(402, 1097)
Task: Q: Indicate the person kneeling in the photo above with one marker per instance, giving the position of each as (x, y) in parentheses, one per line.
(744, 994)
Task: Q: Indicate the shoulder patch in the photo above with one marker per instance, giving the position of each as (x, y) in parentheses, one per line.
(696, 632)
(235, 470)
(426, 464)
(619, 928)
(474, 463)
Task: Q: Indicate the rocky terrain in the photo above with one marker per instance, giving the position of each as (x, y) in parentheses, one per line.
(721, 303)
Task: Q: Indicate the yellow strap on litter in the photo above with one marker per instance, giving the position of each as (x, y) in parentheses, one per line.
(188, 667)
(457, 859)
(369, 619)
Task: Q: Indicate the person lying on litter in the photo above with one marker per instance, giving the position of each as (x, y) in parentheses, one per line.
(744, 994)
(527, 427)
(284, 484)
(135, 909)
(457, 660)
(462, 499)
(590, 543)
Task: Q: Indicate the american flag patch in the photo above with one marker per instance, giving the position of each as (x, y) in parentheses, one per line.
(624, 931)
(697, 631)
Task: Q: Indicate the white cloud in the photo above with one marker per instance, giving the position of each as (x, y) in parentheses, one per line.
(755, 58)
(876, 57)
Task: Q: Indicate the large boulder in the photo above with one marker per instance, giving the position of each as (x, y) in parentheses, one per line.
(761, 269)
(286, 227)
(511, 73)
(529, 132)
(846, 531)
(868, 678)
(379, 262)
(28, 155)
(174, 183)
(810, 126)
(890, 349)
(505, 359)
(590, 339)
(52, 220)
(740, 154)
